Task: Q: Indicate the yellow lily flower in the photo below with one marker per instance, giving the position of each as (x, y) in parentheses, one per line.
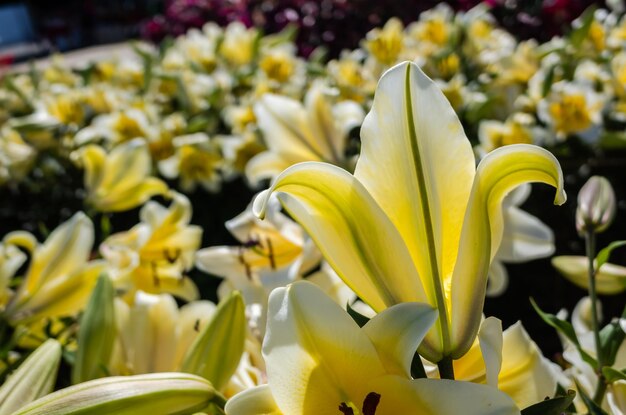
(314, 367)
(610, 278)
(293, 132)
(11, 259)
(59, 279)
(154, 255)
(522, 372)
(120, 180)
(273, 253)
(196, 160)
(238, 44)
(417, 221)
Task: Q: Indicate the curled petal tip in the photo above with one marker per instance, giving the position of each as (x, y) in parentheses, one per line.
(259, 207)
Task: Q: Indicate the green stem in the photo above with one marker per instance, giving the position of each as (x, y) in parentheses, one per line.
(590, 247)
(446, 369)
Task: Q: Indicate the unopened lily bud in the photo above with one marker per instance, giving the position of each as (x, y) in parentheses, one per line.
(34, 378)
(155, 393)
(596, 205)
(216, 352)
(96, 334)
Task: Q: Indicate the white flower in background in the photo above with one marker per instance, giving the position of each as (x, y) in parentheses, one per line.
(238, 44)
(273, 253)
(154, 255)
(293, 132)
(117, 127)
(572, 108)
(16, 156)
(196, 161)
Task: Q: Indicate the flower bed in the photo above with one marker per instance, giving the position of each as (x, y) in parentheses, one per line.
(356, 282)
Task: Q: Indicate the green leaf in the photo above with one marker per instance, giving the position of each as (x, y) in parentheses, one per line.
(611, 338)
(578, 35)
(603, 255)
(554, 406)
(216, 352)
(593, 407)
(566, 329)
(613, 375)
(359, 318)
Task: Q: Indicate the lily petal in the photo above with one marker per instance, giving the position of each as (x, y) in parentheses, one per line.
(309, 361)
(610, 279)
(342, 218)
(490, 340)
(413, 138)
(524, 237)
(439, 397)
(397, 332)
(285, 127)
(253, 401)
(498, 173)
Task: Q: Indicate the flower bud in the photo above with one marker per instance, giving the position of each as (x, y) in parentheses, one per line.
(216, 352)
(156, 393)
(596, 205)
(96, 334)
(34, 378)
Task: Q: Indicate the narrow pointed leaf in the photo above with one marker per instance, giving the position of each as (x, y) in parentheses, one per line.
(605, 253)
(566, 329)
(612, 375)
(594, 408)
(555, 406)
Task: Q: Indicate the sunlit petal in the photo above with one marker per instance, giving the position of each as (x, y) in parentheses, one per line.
(352, 232)
(397, 332)
(309, 361)
(498, 173)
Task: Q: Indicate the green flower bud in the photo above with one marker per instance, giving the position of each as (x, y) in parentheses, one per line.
(34, 378)
(96, 334)
(216, 352)
(596, 205)
(155, 393)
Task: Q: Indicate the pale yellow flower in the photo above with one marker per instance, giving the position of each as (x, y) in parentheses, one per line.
(571, 108)
(387, 43)
(416, 180)
(121, 179)
(196, 161)
(238, 44)
(59, 278)
(293, 132)
(314, 367)
(154, 255)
